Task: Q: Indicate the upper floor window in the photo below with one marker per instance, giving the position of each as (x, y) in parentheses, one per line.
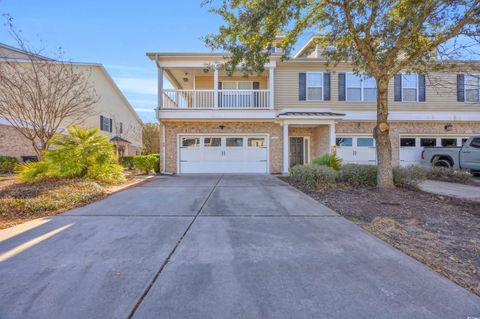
(120, 128)
(472, 88)
(314, 86)
(409, 87)
(105, 124)
(360, 88)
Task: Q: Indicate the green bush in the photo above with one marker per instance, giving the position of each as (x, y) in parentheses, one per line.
(7, 164)
(449, 175)
(358, 175)
(127, 162)
(410, 176)
(330, 160)
(81, 153)
(312, 176)
(145, 163)
(157, 163)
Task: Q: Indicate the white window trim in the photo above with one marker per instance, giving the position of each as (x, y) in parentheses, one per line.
(107, 119)
(307, 86)
(236, 85)
(362, 88)
(417, 88)
(465, 88)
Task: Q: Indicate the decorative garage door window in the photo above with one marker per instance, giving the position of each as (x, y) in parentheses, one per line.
(344, 141)
(190, 142)
(256, 142)
(365, 142)
(234, 141)
(212, 142)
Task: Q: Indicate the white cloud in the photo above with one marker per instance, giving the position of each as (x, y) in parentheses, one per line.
(144, 110)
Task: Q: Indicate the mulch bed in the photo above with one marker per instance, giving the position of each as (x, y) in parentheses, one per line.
(439, 231)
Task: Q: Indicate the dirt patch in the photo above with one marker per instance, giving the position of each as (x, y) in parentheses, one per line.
(439, 231)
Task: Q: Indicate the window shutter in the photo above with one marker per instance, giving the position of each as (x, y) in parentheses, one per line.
(461, 87)
(341, 86)
(397, 84)
(110, 125)
(421, 88)
(302, 86)
(101, 122)
(326, 86)
(256, 97)
(220, 94)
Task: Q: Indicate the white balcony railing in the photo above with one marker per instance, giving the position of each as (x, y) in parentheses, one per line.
(205, 99)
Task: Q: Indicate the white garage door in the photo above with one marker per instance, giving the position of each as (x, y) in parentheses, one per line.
(411, 147)
(223, 154)
(356, 149)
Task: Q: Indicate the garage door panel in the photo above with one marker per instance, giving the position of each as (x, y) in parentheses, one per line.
(227, 154)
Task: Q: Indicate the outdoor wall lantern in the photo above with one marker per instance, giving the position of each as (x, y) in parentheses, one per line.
(448, 127)
(221, 127)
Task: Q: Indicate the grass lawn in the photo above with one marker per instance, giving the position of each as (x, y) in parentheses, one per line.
(441, 232)
(20, 202)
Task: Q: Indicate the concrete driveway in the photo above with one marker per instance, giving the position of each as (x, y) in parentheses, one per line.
(232, 246)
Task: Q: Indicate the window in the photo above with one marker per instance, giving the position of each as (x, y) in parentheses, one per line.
(409, 87)
(344, 141)
(314, 86)
(212, 142)
(475, 142)
(449, 142)
(472, 88)
(190, 141)
(365, 142)
(408, 142)
(360, 88)
(105, 124)
(121, 128)
(256, 142)
(237, 85)
(428, 142)
(235, 141)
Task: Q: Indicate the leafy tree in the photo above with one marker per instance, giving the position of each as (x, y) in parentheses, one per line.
(82, 153)
(378, 37)
(151, 138)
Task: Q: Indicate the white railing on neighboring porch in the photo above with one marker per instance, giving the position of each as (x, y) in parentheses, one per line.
(205, 99)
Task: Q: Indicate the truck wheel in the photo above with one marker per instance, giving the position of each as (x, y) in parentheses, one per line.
(442, 163)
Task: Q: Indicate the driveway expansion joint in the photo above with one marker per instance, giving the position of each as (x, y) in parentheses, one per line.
(167, 260)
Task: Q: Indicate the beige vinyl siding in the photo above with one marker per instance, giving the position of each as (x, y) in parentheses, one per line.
(441, 92)
(206, 82)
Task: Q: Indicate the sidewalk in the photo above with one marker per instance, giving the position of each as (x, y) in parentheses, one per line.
(462, 191)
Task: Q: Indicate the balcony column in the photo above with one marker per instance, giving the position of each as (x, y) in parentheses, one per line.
(286, 150)
(160, 87)
(215, 88)
(271, 85)
(331, 138)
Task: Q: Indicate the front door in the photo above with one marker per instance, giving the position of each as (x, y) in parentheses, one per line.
(296, 151)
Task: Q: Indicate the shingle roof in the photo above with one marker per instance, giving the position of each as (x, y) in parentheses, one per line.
(313, 113)
(119, 139)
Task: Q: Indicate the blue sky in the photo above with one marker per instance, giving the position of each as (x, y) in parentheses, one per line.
(116, 34)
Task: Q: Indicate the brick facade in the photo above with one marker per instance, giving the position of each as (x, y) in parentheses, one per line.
(12, 143)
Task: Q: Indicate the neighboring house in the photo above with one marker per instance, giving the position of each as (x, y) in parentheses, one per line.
(298, 109)
(113, 115)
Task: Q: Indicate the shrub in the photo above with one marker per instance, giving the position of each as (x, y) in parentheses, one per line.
(127, 162)
(330, 160)
(312, 176)
(410, 176)
(145, 163)
(7, 164)
(81, 153)
(449, 175)
(358, 175)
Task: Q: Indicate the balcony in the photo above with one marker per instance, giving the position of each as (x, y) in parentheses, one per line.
(215, 99)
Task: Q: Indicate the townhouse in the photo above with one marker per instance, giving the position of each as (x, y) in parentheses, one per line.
(299, 109)
(113, 114)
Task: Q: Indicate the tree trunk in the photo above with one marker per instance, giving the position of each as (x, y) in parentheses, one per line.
(381, 133)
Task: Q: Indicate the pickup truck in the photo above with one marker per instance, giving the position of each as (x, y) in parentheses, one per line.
(465, 157)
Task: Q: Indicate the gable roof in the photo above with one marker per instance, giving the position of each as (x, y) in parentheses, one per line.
(21, 53)
(306, 46)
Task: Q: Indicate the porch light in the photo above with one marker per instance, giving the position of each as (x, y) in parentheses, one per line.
(221, 127)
